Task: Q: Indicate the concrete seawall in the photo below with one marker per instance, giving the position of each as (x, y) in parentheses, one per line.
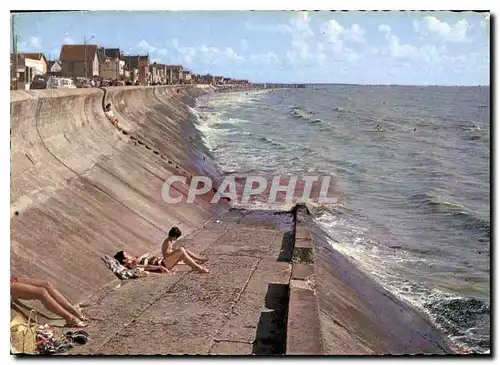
(80, 188)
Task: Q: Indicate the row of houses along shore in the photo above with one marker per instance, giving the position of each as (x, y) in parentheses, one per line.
(90, 65)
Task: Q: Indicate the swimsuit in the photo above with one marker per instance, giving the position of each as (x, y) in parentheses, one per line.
(153, 260)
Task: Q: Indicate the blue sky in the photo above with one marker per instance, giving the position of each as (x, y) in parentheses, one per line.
(340, 47)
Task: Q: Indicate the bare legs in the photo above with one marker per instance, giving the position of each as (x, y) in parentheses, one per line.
(44, 291)
(182, 255)
(195, 257)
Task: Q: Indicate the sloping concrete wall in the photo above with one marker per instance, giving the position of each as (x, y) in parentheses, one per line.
(358, 316)
(80, 188)
(336, 309)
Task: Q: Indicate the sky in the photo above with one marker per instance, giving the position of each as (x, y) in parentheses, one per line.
(415, 48)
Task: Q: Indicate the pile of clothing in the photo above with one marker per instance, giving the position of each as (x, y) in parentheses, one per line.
(49, 344)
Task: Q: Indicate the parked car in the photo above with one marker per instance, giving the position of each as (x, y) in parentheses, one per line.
(80, 82)
(52, 82)
(60, 83)
(67, 84)
(39, 82)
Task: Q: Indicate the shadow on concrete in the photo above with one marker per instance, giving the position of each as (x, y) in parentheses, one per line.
(271, 329)
(286, 247)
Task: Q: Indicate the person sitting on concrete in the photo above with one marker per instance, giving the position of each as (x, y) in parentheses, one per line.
(110, 115)
(154, 263)
(31, 289)
(167, 248)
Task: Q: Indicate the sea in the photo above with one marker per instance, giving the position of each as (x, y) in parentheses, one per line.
(412, 171)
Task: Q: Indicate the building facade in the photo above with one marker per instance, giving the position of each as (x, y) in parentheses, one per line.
(137, 65)
(111, 69)
(29, 65)
(110, 64)
(174, 74)
(79, 61)
(187, 77)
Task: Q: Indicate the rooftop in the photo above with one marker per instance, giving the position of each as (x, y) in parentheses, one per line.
(32, 56)
(78, 52)
(133, 61)
(109, 52)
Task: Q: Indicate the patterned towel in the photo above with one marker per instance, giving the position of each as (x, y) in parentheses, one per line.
(121, 271)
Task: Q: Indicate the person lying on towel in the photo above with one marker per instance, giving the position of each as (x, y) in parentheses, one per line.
(158, 264)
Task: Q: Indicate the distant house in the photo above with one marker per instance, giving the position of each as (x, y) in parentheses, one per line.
(54, 67)
(132, 62)
(36, 61)
(79, 60)
(139, 63)
(239, 82)
(194, 78)
(29, 65)
(113, 53)
(187, 77)
(19, 75)
(174, 74)
(162, 73)
(218, 80)
(110, 64)
(208, 79)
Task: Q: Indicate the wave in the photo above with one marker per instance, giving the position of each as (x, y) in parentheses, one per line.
(426, 200)
(471, 222)
(466, 220)
(271, 142)
(460, 317)
(315, 121)
(301, 113)
(223, 124)
(472, 138)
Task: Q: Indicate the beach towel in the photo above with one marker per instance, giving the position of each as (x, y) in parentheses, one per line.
(121, 271)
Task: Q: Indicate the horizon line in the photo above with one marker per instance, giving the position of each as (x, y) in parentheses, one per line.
(359, 84)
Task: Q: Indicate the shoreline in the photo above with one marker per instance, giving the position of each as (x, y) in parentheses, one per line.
(82, 189)
(448, 310)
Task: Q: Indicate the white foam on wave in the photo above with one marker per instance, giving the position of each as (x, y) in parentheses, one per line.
(351, 240)
(194, 112)
(211, 118)
(233, 98)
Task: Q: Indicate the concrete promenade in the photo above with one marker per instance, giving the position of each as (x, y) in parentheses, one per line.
(239, 308)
